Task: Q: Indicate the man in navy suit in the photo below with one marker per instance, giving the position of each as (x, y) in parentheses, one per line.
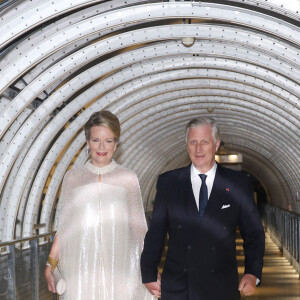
(200, 207)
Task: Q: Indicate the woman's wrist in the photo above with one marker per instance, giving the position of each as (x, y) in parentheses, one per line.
(49, 269)
(52, 262)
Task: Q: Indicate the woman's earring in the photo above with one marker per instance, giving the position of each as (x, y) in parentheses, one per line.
(87, 149)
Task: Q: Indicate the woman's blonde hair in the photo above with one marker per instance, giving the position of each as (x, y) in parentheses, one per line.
(103, 118)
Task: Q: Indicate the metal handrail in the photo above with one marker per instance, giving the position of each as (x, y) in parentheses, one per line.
(284, 210)
(13, 242)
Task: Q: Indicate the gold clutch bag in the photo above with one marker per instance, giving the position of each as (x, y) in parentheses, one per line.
(60, 283)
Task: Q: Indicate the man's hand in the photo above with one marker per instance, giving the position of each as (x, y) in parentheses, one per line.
(248, 284)
(154, 287)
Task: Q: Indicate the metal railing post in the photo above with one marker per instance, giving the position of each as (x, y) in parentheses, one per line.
(34, 257)
(11, 274)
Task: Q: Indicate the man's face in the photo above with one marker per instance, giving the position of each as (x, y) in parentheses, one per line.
(202, 147)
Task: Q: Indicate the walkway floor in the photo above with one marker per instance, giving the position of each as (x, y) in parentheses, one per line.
(280, 280)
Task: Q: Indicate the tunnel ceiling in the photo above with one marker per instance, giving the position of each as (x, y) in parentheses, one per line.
(156, 65)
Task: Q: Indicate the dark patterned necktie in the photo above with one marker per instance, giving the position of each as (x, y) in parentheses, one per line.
(203, 196)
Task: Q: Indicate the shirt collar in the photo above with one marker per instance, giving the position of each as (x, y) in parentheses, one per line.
(211, 172)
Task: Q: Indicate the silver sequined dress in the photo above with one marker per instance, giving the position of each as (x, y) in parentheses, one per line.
(100, 234)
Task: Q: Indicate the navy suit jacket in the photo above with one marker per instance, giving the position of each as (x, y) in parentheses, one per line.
(201, 257)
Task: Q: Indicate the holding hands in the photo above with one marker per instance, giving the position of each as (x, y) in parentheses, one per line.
(155, 287)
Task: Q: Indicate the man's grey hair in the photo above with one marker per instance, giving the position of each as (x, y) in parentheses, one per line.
(201, 121)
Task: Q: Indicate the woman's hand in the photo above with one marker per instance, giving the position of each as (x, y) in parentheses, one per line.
(54, 257)
(50, 279)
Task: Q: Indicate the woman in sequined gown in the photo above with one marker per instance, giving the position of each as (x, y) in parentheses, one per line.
(102, 223)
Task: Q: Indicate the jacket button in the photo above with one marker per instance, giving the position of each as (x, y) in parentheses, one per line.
(179, 226)
(212, 271)
(189, 247)
(213, 248)
(224, 227)
(185, 270)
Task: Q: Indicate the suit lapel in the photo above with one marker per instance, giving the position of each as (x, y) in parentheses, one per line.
(186, 192)
(217, 187)
(219, 190)
(189, 211)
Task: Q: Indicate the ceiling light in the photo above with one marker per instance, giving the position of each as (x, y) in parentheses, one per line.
(188, 41)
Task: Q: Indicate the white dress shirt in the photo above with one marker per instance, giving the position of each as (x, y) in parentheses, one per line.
(196, 181)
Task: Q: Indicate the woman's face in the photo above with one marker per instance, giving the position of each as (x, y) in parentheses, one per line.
(102, 145)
